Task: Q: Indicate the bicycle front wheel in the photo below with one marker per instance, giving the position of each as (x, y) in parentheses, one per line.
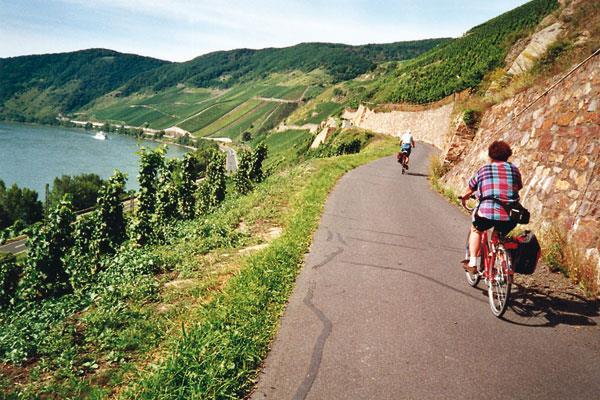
(499, 282)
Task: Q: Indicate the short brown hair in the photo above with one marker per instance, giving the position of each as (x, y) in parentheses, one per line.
(499, 150)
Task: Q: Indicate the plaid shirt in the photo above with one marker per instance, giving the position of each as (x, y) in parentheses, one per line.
(501, 180)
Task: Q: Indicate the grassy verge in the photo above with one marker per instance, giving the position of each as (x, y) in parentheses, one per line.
(218, 354)
(198, 311)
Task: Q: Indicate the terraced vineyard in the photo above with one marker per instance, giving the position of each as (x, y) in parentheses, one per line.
(205, 112)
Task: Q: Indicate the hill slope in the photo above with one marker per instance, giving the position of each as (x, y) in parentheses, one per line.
(225, 68)
(463, 62)
(38, 87)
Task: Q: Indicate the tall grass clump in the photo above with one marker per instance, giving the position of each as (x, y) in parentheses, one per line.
(561, 254)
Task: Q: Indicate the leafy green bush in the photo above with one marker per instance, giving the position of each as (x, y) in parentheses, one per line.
(471, 118)
(150, 164)
(241, 179)
(44, 273)
(110, 230)
(212, 189)
(9, 279)
(259, 155)
(189, 174)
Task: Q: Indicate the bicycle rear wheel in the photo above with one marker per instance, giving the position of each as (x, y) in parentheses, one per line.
(499, 282)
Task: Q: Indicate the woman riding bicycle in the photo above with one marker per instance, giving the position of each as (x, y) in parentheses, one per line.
(407, 142)
(496, 182)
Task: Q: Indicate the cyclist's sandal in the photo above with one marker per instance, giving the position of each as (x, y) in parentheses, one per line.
(469, 269)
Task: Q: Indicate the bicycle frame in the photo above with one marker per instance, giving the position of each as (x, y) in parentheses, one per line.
(489, 246)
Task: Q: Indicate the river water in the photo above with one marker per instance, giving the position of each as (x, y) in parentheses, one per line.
(33, 155)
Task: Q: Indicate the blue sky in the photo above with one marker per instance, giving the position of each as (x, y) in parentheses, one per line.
(180, 30)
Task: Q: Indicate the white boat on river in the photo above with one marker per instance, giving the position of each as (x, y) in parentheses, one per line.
(100, 136)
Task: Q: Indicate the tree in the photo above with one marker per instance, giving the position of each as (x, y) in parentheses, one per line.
(44, 273)
(246, 136)
(88, 126)
(82, 190)
(19, 204)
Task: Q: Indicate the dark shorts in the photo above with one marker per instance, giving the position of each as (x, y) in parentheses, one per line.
(483, 224)
(406, 149)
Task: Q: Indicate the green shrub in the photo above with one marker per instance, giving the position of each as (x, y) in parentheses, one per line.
(241, 179)
(9, 279)
(44, 273)
(150, 164)
(212, 189)
(471, 118)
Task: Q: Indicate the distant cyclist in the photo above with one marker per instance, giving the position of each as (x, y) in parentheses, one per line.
(497, 181)
(407, 142)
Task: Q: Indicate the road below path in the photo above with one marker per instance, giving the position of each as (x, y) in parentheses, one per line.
(382, 310)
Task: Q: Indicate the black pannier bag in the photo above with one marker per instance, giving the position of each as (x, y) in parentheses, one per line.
(525, 253)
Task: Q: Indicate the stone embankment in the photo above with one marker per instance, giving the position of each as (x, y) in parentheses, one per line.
(429, 124)
(556, 144)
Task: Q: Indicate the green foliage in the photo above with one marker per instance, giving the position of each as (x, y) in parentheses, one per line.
(243, 65)
(471, 118)
(63, 82)
(44, 272)
(555, 50)
(82, 190)
(463, 62)
(150, 164)
(189, 175)
(19, 204)
(110, 228)
(212, 189)
(246, 136)
(259, 155)
(349, 141)
(220, 357)
(241, 179)
(9, 279)
(168, 193)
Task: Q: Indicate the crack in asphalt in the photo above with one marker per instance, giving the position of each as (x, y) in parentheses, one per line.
(387, 243)
(341, 239)
(329, 235)
(317, 353)
(329, 257)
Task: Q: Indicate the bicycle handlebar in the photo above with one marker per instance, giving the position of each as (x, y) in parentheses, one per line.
(464, 203)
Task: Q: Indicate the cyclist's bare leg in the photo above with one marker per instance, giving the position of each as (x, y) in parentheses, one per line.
(474, 243)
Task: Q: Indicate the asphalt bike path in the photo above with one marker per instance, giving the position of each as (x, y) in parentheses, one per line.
(382, 309)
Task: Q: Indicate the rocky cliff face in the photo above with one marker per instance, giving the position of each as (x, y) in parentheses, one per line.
(556, 144)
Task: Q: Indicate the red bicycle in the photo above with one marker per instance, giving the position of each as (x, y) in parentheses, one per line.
(495, 267)
(402, 160)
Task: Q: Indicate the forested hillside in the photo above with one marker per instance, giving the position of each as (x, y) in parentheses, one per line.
(226, 68)
(463, 62)
(38, 87)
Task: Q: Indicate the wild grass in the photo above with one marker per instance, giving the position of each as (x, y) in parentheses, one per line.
(562, 254)
(218, 355)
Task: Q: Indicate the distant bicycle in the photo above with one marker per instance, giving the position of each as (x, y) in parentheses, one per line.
(495, 267)
(403, 160)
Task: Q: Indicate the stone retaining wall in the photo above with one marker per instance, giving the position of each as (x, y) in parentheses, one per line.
(429, 125)
(556, 145)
